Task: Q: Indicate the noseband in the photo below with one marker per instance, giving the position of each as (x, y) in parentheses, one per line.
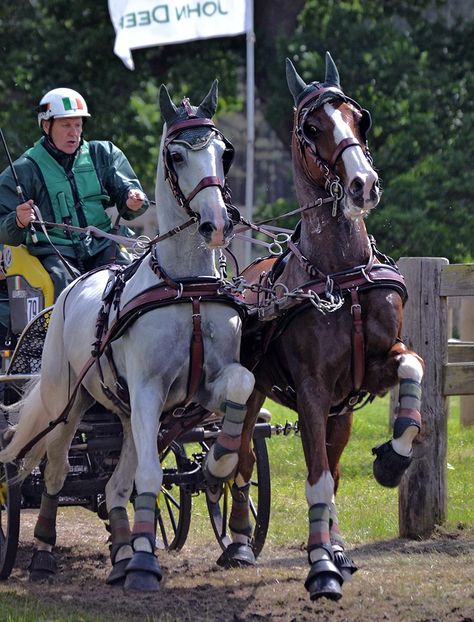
(310, 103)
(170, 173)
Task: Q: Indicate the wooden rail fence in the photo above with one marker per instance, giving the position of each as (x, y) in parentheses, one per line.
(449, 370)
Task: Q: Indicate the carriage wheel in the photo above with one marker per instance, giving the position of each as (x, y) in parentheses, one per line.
(10, 503)
(219, 502)
(174, 502)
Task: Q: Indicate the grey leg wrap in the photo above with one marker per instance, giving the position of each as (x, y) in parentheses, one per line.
(45, 528)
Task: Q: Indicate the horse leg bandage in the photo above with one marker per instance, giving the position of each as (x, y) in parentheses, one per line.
(45, 528)
(409, 405)
(228, 441)
(119, 534)
(408, 422)
(239, 522)
(319, 544)
(334, 532)
(143, 534)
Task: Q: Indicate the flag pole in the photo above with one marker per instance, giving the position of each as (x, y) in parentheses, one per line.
(249, 179)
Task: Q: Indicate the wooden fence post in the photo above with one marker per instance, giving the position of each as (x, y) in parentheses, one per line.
(422, 493)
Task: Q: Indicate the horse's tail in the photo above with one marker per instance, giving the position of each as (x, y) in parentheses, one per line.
(33, 418)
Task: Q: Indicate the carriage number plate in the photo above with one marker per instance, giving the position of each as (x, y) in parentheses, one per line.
(32, 308)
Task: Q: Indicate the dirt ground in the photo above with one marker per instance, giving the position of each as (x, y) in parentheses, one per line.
(399, 580)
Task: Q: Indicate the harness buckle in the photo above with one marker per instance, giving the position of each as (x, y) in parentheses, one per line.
(179, 412)
(180, 291)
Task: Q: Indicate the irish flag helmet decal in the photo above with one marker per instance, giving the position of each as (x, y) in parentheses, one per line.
(60, 103)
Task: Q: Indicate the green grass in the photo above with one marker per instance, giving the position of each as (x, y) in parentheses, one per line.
(367, 511)
(22, 608)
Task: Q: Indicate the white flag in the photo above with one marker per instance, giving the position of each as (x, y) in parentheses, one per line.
(145, 23)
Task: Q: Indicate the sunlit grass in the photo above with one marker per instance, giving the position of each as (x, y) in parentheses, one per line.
(366, 510)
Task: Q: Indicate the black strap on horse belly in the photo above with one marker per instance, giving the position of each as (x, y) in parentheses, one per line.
(196, 361)
(358, 354)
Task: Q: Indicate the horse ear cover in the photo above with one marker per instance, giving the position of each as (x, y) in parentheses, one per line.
(167, 108)
(208, 106)
(332, 74)
(296, 84)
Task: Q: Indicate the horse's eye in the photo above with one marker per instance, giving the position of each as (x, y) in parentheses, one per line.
(177, 157)
(312, 130)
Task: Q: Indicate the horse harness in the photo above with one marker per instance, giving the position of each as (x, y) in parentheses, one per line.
(172, 134)
(279, 312)
(113, 320)
(168, 292)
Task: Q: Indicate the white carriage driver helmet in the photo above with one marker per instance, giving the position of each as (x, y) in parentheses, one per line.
(61, 103)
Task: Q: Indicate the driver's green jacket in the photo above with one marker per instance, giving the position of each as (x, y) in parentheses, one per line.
(100, 177)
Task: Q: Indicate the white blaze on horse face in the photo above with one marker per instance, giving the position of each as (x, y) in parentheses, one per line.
(361, 183)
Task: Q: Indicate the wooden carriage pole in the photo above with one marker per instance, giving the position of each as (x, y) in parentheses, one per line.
(422, 495)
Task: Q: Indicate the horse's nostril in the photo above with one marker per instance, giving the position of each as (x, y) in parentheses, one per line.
(375, 191)
(356, 187)
(229, 227)
(206, 229)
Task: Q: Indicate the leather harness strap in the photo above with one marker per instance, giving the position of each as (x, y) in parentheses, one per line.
(363, 278)
(154, 297)
(342, 146)
(358, 345)
(196, 363)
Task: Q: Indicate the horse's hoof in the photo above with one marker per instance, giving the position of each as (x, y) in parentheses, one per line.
(389, 466)
(43, 566)
(237, 555)
(141, 581)
(143, 573)
(117, 574)
(324, 580)
(344, 564)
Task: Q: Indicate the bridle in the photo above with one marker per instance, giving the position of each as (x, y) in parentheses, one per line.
(170, 174)
(308, 149)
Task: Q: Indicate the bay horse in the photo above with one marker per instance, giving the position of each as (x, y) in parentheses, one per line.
(334, 309)
(165, 332)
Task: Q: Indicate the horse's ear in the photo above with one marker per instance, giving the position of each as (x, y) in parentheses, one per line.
(296, 84)
(167, 108)
(208, 106)
(332, 74)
